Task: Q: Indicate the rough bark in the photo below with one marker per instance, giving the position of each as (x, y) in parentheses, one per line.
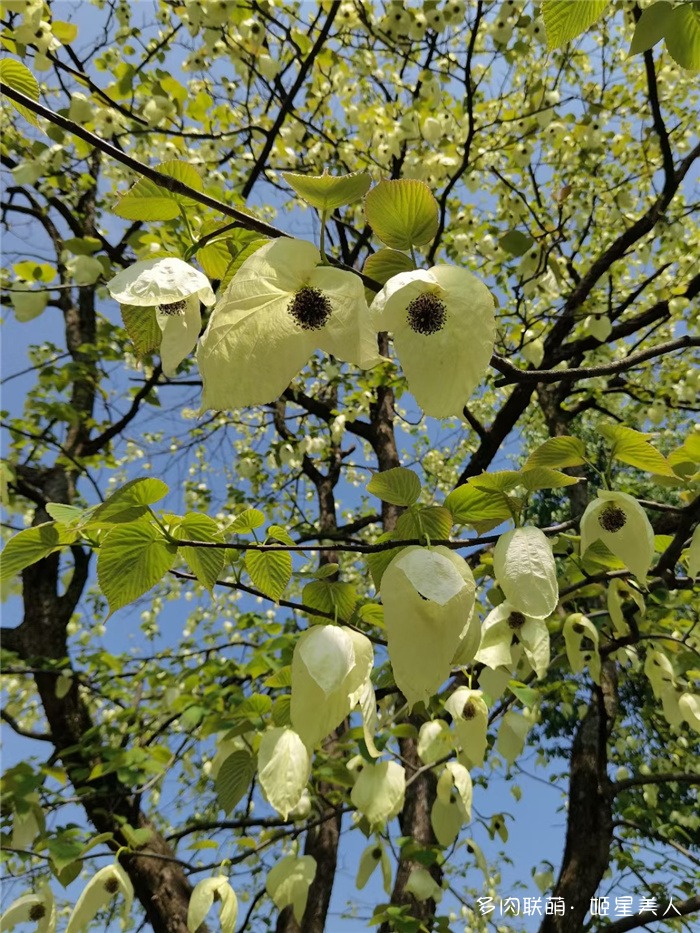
(589, 827)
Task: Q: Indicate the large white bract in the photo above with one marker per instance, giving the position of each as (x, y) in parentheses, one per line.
(505, 625)
(428, 597)
(620, 522)
(444, 330)
(526, 572)
(174, 288)
(279, 308)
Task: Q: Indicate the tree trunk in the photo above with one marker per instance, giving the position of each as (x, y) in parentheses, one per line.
(590, 825)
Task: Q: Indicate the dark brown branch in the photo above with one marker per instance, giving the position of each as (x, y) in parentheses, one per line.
(683, 908)
(20, 730)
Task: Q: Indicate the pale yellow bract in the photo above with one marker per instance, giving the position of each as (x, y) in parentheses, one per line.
(158, 283)
(442, 368)
(254, 346)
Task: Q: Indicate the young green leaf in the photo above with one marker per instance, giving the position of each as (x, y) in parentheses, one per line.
(142, 327)
(130, 501)
(651, 26)
(480, 508)
(557, 452)
(403, 213)
(270, 571)
(233, 778)
(205, 563)
(398, 486)
(386, 263)
(326, 192)
(132, 559)
(633, 447)
(683, 35)
(18, 77)
(33, 544)
(147, 200)
(564, 20)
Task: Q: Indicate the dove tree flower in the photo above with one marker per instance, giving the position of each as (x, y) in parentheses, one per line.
(444, 330)
(619, 521)
(280, 307)
(174, 288)
(505, 625)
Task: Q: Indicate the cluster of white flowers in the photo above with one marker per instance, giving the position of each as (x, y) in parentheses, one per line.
(285, 303)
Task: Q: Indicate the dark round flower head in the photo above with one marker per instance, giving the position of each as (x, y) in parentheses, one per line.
(111, 885)
(426, 314)
(310, 308)
(37, 912)
(175, 307)
(516, 620)
(469, 711)
(612, 518)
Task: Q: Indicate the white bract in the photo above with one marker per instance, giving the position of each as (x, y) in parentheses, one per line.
(38, 908)
(525, 571)
(288, 883)
(279, 308)
(321, 700)
(506, 623)
(444, 329)
(202, 898)
(428, 597)
(174, 288)
(109, 882)
(470, 715)
(284, 767)
(620, 522)
(378, 792)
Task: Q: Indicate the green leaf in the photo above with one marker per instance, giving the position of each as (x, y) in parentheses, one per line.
(142, 327)
(65, 513)
(557, 452)
(564, 20)
(130, 501)
(398, 486)
(634, 448)
(205, 563)
(526, 695)
(247, 521)
(378, 561)
(544, 478)
(385, 263)
(131, 560)
(651, 27)
(515, 242)
(270, 571)
(148, 201)
(18, 77)
(64, 32)
(402, 213)
(338, 599)
(325, 192)
(435, 521)
(481, 509)
(683, 35)
(500, 481)
(254, 707)
(281, 709)
(33, 544)
(233, 779)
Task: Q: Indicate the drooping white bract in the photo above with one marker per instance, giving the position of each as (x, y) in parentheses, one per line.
(284, 767)
(378, 792)
(525, 571)
(39, 908)
(444, 330)
(288, 883)
(202, 898)
(428, 597)
(279, 308)
(501, 626)
(471, 716)
(620, 522)
(330, 670)
(108, 883)
(452, 806)
(175, 289)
